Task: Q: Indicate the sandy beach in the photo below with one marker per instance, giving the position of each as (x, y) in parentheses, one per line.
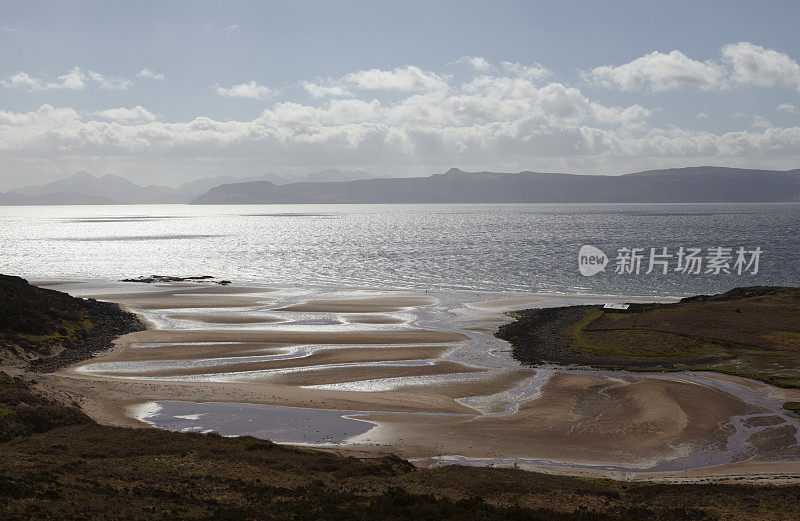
(432, 382)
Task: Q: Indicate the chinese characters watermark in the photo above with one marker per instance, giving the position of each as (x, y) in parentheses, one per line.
(661, 261)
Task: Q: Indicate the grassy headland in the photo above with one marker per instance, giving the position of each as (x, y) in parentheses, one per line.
(48, 329)
(752, 332)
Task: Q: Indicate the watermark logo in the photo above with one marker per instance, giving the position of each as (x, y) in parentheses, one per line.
(591, 260)
(716, 260)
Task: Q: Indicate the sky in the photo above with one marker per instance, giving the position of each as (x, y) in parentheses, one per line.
(165, 92)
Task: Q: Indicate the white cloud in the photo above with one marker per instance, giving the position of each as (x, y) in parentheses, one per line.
(358, 132)
(740, 63)
(531, 72)
(404, 79)
(233, 27)
(659, 72)
(510, 117)
(109, 83)
(761, 122)
(702, 115)
(787, 107)
(126, 115)
(150, 74)
(10, 29)
(479, 64)
(22, 80)
(335, 112)
(250, 89)
(73, 80)
(476, 62)
(320, 90)
(753, 64)
(620, 115)
(488, 116)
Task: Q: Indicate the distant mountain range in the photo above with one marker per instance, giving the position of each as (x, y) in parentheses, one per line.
(84, 188)
(676, 185)
(201, 186)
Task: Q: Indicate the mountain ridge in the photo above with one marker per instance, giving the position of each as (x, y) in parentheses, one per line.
(683, 185)
(84, 188)
(674, 185)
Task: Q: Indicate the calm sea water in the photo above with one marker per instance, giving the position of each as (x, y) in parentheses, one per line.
(477, 247)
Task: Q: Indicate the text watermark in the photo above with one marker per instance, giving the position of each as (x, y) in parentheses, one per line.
(716, 260)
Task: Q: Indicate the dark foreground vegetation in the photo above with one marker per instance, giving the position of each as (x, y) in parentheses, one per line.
(55, 463)
(752, 332)
(49, 329)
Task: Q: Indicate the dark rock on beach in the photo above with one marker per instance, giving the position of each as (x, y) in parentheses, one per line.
(166, 278)
(153, 279)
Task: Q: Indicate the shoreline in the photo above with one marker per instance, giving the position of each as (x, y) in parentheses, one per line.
(107, 399)
(244, 286)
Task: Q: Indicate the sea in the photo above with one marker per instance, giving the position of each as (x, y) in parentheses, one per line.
(637, 249)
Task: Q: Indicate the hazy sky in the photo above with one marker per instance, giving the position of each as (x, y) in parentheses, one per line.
(167, 91)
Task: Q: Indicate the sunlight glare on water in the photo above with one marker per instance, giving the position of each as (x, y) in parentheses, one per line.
(479, 247)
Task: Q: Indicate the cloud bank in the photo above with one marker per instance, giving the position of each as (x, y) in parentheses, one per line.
(741, 63)
(407, 120)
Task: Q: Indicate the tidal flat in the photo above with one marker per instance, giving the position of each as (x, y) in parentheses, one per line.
(433, 385)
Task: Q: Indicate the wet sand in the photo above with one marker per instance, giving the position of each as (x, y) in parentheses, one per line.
(373, 319)
(362, 305)
(435, 386)
(227, 318)
(400, 336)
(578, 419)
(173, 301)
